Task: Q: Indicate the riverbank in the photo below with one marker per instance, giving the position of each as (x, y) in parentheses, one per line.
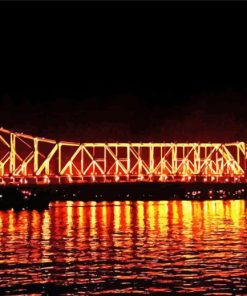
(20, 198)
(150, 191)
(39, 196)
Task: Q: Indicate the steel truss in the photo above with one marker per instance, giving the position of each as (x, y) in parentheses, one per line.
(28, 159)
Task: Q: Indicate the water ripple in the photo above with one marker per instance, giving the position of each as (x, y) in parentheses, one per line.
(130, 248)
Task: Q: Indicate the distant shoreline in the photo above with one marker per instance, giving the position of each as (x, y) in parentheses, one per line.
(138, 191)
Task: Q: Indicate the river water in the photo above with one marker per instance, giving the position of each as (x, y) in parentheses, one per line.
(116, 248)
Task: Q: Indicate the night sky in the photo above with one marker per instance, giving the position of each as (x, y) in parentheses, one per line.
(125, 72)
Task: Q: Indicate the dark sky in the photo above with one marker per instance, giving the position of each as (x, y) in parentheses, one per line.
(125, 71)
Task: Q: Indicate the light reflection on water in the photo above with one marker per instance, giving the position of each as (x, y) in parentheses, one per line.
(181, 247)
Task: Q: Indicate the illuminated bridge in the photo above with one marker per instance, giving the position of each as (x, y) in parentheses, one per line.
(28, 159)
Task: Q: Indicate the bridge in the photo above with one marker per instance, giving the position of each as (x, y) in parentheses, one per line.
(26, 159)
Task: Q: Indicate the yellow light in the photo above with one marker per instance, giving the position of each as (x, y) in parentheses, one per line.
(141, 177)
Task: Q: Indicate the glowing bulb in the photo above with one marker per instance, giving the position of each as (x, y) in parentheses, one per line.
(141, 177)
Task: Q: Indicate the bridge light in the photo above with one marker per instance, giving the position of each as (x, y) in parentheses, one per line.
(46, 179)
(163, 177)
(140, 177)
(205, 179)
(69, 178)
(117, 178)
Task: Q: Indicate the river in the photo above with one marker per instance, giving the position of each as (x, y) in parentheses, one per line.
(128, 247)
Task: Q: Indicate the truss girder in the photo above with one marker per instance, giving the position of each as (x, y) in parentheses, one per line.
(21, 156)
